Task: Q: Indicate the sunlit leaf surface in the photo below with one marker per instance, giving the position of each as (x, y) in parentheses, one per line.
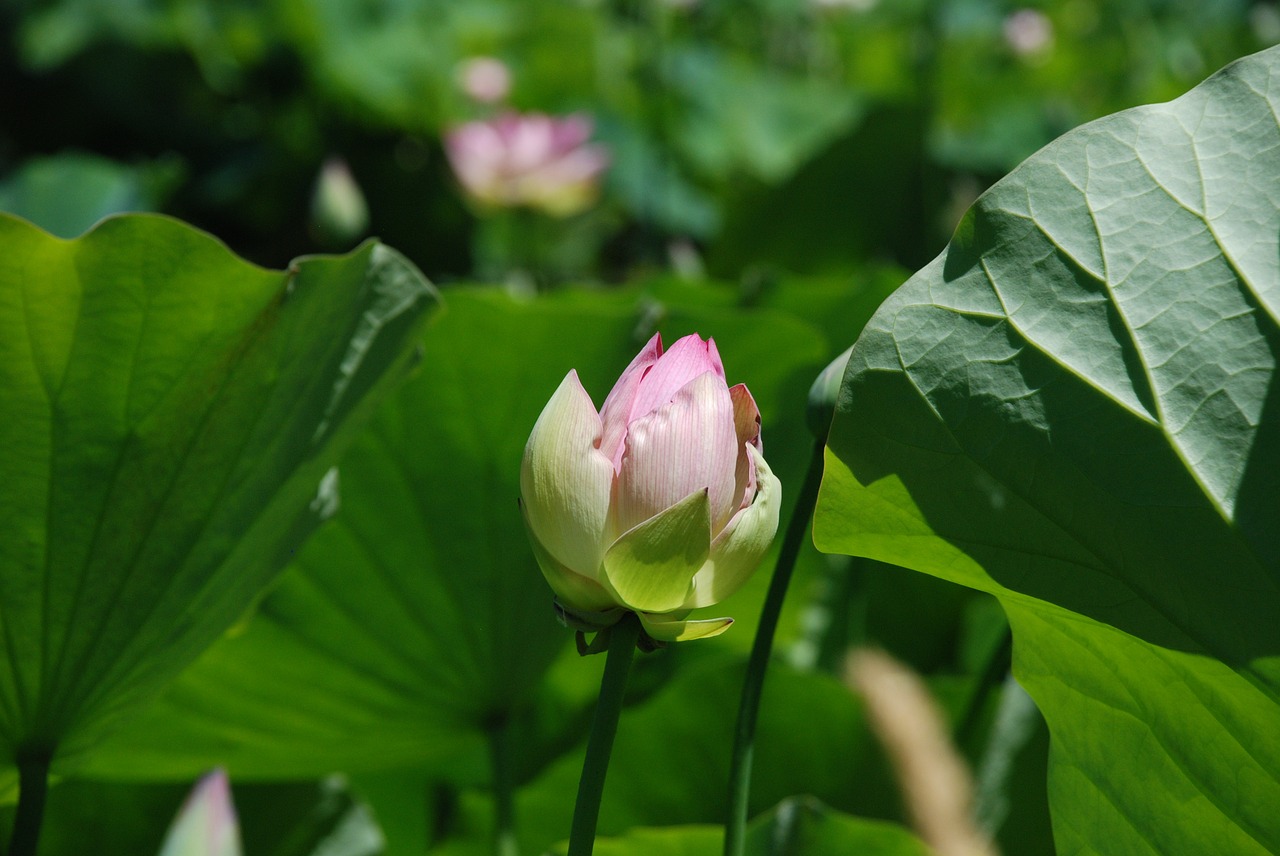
(169, 411)
(1076, 407)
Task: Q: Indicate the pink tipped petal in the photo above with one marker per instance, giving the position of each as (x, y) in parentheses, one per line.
(651, 567)
(616, 411)
(565, 482)
(206, 824)
(567, 185)
(666, 629)
(682, 362)
(713, 354)
(746, 420)
(737, 551)
(687, 445)
(580, 166)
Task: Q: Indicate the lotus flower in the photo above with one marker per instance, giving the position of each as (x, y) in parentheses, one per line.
(660, 503)
(531, 159)
(485, 79)
(206, 824)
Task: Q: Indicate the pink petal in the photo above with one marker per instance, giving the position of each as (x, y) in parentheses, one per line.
(571, 132)
(617, 405)
(746, 420)
(685, 360)
(476, 152)
(531, 145)
(580, 166)
(686, 445)
(507, 124)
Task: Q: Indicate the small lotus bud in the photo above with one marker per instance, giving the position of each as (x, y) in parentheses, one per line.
(206, 825)
(658, 504)
(338, 209)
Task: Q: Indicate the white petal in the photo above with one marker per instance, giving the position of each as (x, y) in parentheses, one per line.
(565, 482)
(575, 591)
(737, 550)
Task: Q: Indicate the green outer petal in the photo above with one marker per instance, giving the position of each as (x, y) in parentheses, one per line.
(651, 566)
(737, 551)
(682, 631)
(565, 481)
(573, 589)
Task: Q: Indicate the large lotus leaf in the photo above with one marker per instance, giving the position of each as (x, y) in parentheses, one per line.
(1076, 407)
(417, 618)
(169, 411)
(66, 194)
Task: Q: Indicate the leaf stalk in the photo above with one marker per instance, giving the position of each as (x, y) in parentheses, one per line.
(761, 649)
(33, 787)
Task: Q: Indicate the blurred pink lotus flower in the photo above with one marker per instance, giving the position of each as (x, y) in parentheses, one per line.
(529, 159)
(660, 503)
(485, 79)
(206, 824)
(1028, 32)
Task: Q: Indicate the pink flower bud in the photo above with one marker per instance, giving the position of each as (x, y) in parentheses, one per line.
(485, 79)
(660, 503)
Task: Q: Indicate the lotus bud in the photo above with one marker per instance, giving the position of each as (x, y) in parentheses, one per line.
(339, 212)
(485, 79)
(206, 824)
(658, 504)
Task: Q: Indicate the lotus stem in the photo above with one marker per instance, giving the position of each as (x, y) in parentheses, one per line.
(761, 649)
(505, 842)
(604, 726)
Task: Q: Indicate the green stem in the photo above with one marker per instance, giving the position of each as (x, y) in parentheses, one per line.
(505, 842)
(992, 676)
(33, 785)
(753, 684)
(586, 811)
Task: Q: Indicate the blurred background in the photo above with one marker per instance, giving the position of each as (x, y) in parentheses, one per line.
(734, 139)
